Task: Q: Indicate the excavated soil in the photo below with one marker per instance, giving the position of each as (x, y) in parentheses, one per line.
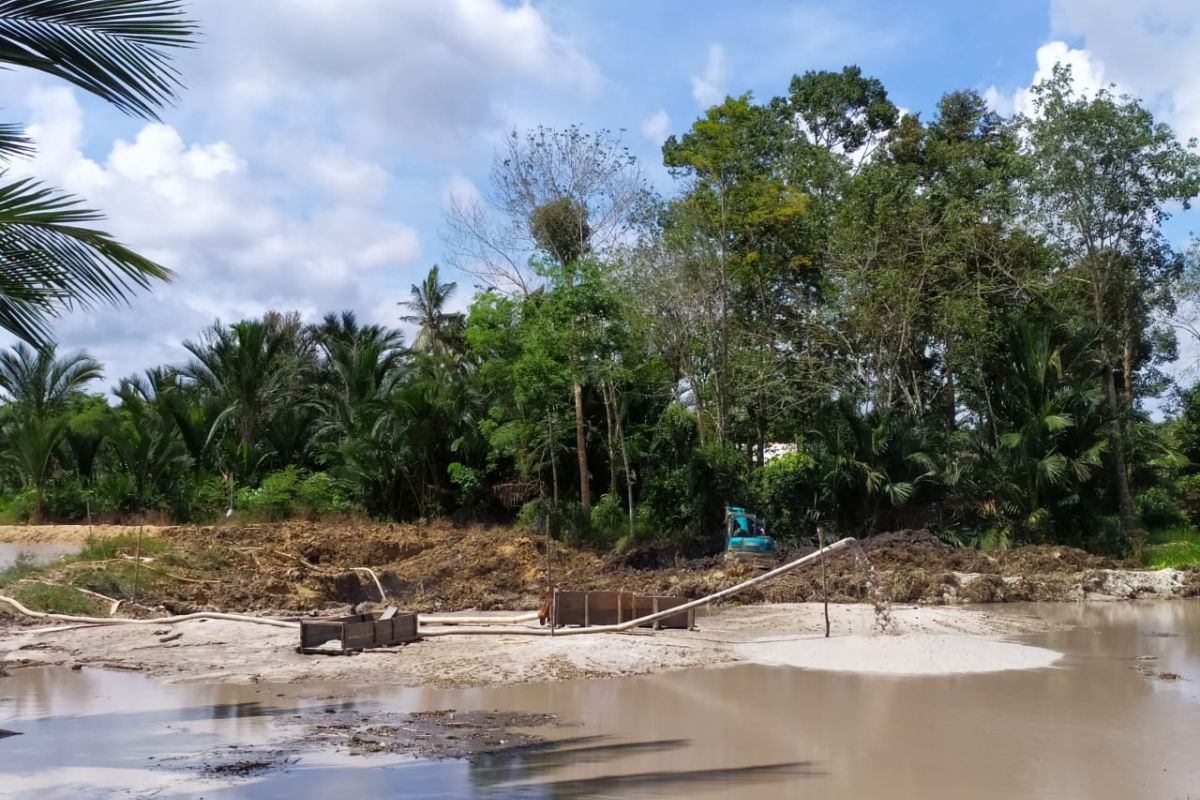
(306, 566)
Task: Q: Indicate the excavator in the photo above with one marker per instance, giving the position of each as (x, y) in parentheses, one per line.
(746, 538)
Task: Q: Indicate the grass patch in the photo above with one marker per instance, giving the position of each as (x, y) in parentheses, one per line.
(56, 599)
(1172, 555)
(109, 547)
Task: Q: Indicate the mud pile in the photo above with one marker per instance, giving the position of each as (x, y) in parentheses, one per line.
(306, 566)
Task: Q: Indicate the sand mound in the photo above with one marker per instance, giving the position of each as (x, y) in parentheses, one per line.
(914, 654)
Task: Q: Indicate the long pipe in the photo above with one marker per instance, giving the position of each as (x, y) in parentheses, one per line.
(633, 623)
(529, 616)
(277, 623)
(455, 631)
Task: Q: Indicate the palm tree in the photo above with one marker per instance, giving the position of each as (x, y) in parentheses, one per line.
(248, 368)
(439, 332)
(50, 259)
(39, 385)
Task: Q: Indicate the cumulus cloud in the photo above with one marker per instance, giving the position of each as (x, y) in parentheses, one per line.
(237, 248)
(656, 126)
(422, 73)
(1087, 74)
(1149, 48)
(709, 88)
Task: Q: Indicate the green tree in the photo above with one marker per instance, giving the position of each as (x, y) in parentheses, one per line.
(1102, 174)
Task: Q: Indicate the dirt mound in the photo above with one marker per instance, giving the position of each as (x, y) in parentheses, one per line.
(305, 566)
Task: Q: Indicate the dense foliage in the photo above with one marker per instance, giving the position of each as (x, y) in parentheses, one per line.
(843, 316)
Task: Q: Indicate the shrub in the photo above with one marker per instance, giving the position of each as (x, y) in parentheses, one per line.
(609, 521)
(275, 498)
(468, 483)
(1187, 489)
(291, 493)
(1158, 508)
(781, 493)
(321, 495)
(66, 499)
(18, 507)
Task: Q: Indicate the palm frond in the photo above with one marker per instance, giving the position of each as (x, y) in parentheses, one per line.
(49, 259)
(114, 49)
(13, 142)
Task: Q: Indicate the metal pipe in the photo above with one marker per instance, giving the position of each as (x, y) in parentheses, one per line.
(633, 623)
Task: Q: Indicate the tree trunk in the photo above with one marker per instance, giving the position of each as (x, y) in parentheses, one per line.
(951, 402)
(585, 495)
(624, 457)
(553, 461)
(612, 453)
(1117, 442)
(1116, 428)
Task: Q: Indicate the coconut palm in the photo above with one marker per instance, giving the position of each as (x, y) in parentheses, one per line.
(50, 257)
(439, 332)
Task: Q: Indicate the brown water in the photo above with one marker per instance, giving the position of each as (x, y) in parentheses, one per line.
(1092, 727)
(37, 553)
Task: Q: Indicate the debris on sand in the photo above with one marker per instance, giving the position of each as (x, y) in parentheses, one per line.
(316, 567)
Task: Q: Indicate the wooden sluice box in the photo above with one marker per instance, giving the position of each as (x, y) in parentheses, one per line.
(612, 608)
(357, 632)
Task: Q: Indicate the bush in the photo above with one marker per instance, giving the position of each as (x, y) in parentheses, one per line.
(66, 499)
(114, 494)
(1187, 490)
(18, 507)
(321, 495)
(609, 520)
(469, 485)
(1158, 509)
(781, 493)
(291, 493)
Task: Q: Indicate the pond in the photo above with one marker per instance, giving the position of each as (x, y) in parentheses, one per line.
(1109, 720)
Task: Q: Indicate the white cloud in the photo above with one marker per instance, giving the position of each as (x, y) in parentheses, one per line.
(1151, 48)
(459, 189)
(709, 88)
(376, 73)
(1087, 74)
(236, 245)
(656, 126)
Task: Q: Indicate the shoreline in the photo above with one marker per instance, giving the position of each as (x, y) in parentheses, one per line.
(215, 651)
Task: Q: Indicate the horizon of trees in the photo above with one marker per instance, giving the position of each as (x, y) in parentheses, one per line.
(956, 322)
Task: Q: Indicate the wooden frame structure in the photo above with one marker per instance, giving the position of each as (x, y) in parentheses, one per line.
(358, 632)
(586, 609)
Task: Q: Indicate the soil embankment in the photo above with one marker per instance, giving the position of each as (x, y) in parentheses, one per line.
(304, 567)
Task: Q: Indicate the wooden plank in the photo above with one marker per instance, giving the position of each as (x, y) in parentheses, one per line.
(358, 634)
(567, 608)
(648, 604)
(315, 633)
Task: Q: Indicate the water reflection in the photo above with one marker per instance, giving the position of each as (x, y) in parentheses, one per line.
(1092, 727)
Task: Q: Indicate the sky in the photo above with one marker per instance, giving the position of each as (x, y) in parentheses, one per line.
(310, 160)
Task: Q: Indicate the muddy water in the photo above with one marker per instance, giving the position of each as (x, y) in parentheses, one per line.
(39, 553)
(1094, 726)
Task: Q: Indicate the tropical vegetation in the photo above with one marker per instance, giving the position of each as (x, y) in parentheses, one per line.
(841, 315)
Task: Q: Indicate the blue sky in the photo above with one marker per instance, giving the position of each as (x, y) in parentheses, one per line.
(309, 163)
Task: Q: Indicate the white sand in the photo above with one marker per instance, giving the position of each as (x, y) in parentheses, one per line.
(908, 654)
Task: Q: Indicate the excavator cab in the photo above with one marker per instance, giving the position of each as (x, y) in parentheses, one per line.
(745, 536)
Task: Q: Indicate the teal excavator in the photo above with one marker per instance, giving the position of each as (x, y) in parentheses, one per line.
(746, 538)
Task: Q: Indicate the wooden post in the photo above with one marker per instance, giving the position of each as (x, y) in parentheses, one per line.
(824, 586)
(137, 565)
